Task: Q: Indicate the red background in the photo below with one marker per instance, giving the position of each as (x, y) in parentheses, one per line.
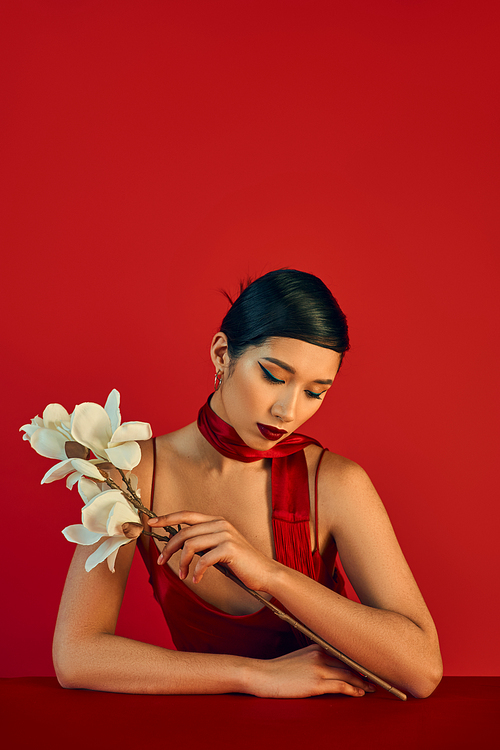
(156, 151)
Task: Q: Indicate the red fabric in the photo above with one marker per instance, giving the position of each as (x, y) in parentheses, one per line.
(226, 440)
(290, 487)
(198, 626)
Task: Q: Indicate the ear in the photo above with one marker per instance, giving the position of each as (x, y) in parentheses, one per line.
(219, 352)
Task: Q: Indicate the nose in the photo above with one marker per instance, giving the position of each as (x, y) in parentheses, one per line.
(285, 408)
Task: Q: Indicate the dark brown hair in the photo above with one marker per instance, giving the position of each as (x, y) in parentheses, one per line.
(286, 303)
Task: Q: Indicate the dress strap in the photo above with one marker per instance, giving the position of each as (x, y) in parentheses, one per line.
(154, 475)
(316, 499)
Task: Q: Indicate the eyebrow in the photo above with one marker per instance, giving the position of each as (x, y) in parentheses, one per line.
(289, 368)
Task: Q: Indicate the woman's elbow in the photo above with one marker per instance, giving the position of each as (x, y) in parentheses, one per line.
(66, 681)
(427, 682)
(67, 667)
(66, 674)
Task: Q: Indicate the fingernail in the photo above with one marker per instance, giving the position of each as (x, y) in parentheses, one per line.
(152, 520)
(160, 558)
(181, 574)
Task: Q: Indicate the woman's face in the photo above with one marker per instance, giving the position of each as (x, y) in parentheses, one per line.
(273, 387)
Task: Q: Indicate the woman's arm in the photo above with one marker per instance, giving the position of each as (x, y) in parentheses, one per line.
(390, 632)
(88, 654)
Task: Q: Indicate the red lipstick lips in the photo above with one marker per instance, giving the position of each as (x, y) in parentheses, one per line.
(270, 433)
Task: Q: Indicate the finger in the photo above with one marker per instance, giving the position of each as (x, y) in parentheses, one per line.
(211, 542)
(220, 554)
(180, 517)
(346, 672)
(333, 661)
(345, 688)
(188, 536)
(345, 675)
(191, 532)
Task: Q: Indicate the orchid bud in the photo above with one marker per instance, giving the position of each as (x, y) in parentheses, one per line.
(76, 450)
(132, 530)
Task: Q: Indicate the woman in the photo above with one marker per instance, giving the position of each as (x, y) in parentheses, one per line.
(251, 493)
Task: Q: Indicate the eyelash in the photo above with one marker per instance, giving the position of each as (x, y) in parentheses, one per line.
(276, 381)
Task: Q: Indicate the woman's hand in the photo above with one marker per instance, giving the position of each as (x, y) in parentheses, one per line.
(224, 544)
(300, 674)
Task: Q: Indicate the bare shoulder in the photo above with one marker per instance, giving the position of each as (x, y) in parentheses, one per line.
(346, 487)
(342, 470)
(167, 450)
(178, 443)
(366, 542)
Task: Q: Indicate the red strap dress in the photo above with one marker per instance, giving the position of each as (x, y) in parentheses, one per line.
(195, 625)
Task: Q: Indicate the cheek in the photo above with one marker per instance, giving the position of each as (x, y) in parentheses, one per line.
(246, 392)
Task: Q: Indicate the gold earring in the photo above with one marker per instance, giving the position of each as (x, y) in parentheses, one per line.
(218, 380)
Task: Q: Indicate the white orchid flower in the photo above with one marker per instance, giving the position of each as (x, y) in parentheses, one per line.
(100, 429)
(48, 435)
(103, 515)
(51, 437)
(70, 438)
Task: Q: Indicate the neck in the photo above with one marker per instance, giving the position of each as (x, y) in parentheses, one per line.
(218, 464)
(216, 405)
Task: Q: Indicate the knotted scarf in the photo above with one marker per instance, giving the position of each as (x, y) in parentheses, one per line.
(289, 482)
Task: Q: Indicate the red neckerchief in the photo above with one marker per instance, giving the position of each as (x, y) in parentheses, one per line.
(290, 485)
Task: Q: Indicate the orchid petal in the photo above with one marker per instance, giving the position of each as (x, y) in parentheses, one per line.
(119, 515)
(91, 426)
(65, 429)
(88, 489)
(96, 512)
(29, 430)
(54, 413)
(80, 535)
(49, 443)
(131, 431)
(112, 409)
(72, 479)
(105, 550)
(125, 456)
(58, 471)
(87, 468)
(112, 559)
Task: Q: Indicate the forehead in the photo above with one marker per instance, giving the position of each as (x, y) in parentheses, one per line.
(308, 360)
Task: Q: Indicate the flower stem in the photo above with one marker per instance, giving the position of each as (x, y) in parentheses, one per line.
(312, 635)
(133, 498)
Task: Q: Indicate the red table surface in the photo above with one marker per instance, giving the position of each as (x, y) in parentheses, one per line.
(464, 712)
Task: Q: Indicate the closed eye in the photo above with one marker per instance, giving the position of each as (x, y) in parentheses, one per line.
(268, 375)
(312, 394)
